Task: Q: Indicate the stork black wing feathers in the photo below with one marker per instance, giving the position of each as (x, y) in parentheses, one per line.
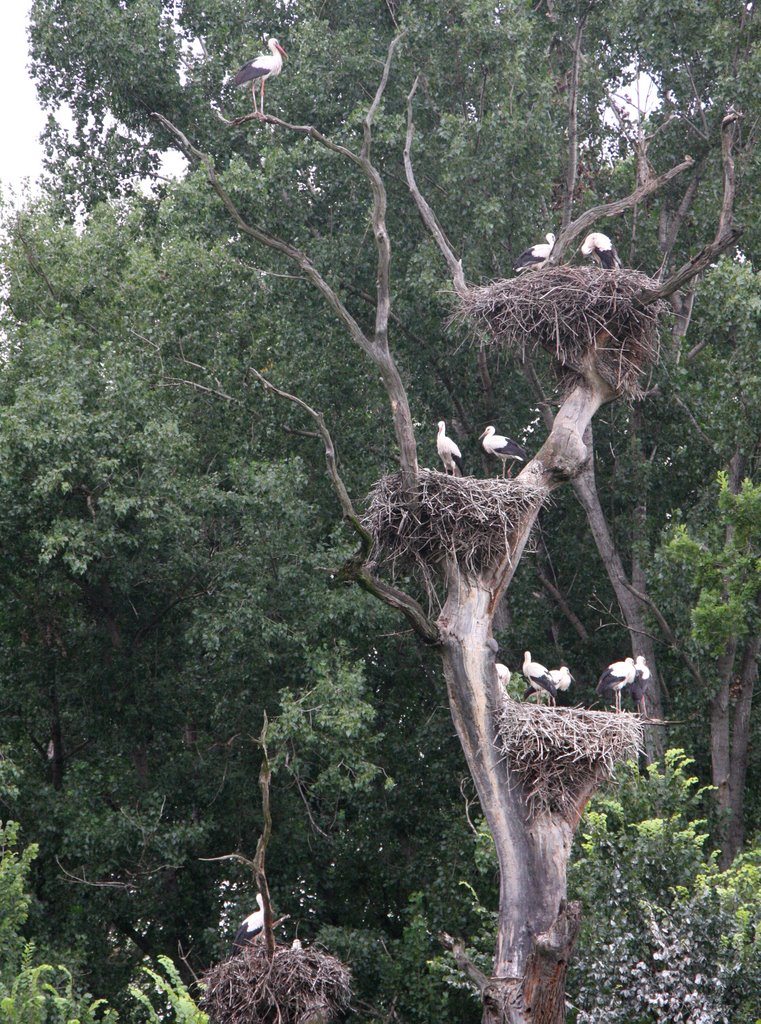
(608, 680)
(513, 449)
(243, 938)
(249, 72)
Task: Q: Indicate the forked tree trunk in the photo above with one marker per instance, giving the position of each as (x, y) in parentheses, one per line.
(537, 928)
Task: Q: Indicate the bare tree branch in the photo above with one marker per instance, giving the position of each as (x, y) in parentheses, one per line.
(356, 571)
(667, 632)
(573, 126)
(457, 948)
(377, 346)
(429, 217)
(615, 208)
(261, 847)
(330, 458)
(726, 233)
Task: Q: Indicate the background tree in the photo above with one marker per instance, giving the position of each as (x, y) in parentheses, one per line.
(492, 115)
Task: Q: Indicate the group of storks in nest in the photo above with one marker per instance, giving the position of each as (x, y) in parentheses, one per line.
(613, 681)
(597, 246)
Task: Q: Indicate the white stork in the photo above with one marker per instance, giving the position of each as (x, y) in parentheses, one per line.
(503, 674)
(616, 677)
(536, 257)
(562, 678)
(641, 683)
(537, 677)
(448, 452)
(260, 69)
(250, 928)
(503, 447)
(602, 250)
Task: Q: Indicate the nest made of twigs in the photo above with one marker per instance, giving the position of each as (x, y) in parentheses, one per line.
(574, 312)
(459, 518)
(560, 755)
(296, 986)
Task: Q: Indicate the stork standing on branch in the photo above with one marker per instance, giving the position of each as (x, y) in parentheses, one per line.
(448, 452)
(600, 248)
(503, 447)
(536, 257)
(260, 69)
(615, 677)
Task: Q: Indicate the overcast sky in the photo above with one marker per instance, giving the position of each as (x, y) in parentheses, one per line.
(21, 120)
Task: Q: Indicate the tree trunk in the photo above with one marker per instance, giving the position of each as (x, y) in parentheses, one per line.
(738, 765)
(536, 928)
(585, 487)
(720, 745)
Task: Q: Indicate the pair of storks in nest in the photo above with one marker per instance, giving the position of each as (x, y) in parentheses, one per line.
(596, 245)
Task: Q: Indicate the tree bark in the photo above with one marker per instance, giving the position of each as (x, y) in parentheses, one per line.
(536, 928)
(738, 766)
(632, 608)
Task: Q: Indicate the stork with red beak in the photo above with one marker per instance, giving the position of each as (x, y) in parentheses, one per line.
(260, 69)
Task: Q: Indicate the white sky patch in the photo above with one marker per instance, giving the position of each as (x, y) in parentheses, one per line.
(21, 119)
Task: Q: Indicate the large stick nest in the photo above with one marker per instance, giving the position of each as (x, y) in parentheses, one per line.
(575, 312)
(297, 986)
(560, 755)
(447, 517)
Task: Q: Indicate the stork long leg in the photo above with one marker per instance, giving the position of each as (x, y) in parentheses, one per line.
(253, 95)
(262, 96)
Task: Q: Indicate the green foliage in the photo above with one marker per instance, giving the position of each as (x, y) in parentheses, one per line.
(724, 569)
(678, 938)
(171, 542)
(44, 994)
(176, 1002)
(15, 866)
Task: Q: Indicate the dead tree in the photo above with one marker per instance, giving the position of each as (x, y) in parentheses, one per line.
(534, 769)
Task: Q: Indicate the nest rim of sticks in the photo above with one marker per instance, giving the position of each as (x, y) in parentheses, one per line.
(295, 986)
(574, 312)
(462, 518)
(556, 754)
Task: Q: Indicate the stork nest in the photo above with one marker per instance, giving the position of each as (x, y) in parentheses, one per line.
(574, 312)
(297, 986)
(458, 518)
(560, 755)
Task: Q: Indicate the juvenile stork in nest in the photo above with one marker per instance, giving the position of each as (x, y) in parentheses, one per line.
(503, 674)
(537, 677)
(615, 678)
(448, 451)
(503, 447)
(562, 678)
(640, 683)
(249, 929)
(600, 248)
(536, 256)
(260, 69)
